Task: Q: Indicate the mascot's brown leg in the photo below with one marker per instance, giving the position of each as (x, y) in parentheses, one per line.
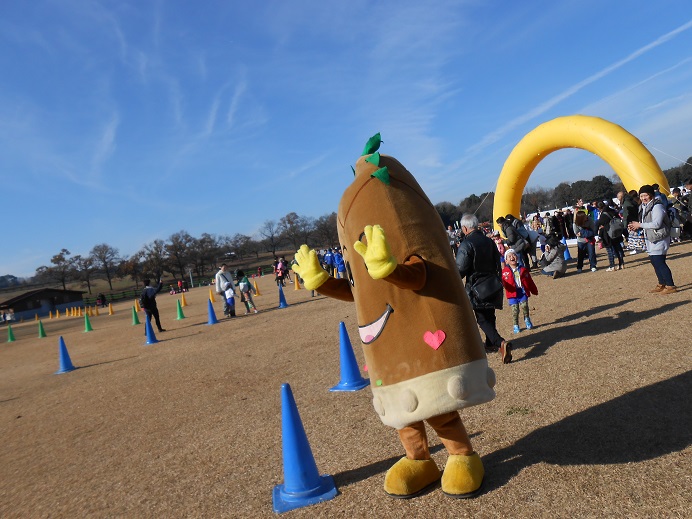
(415, 472)
(463, 474)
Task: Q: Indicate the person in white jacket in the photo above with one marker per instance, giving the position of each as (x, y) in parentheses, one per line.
(226, 288)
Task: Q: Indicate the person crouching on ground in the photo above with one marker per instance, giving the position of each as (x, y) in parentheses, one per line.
(553, 260)
(518, 287)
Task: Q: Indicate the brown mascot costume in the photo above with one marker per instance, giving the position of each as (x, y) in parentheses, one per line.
(422, 347)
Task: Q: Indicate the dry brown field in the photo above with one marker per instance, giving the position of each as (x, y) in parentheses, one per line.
(591, 419)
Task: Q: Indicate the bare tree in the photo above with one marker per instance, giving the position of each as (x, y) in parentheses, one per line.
(106, 259)
(132, 267)
(535, 199)
(61, 271)
(325, 231)
(240, 244)
(84, 269)
(272, 235)
(178, 249)
(155, 258)
(203, 253)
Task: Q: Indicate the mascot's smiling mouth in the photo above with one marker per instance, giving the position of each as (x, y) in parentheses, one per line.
(372, 331)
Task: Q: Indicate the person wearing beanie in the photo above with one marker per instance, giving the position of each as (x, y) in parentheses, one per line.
(656, 224)
(518, 286)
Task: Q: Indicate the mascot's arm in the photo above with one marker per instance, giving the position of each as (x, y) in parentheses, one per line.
(382, 264)
(337, 288)
(410, 275)
(314, 277)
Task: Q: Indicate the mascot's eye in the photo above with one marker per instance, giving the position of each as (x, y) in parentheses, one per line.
(349, 274)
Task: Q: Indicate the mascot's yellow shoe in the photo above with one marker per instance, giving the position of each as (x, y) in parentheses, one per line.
(463, 476)
(408, 478)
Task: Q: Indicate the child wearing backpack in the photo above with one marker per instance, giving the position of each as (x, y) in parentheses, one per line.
(610, 231)
(246, 290)
(518, 286)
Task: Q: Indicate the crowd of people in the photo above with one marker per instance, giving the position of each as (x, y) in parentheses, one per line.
(643, 220)
(497, 265)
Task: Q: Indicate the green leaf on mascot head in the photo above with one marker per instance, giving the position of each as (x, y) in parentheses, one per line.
(374, 159)
(354, 171)
(382, 174)
(373, 144)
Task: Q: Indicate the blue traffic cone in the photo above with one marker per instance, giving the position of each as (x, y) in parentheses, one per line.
(65, 362)
(303, 485)
(212, 314)
(282, 298)
(567, 254)
(151, 336)
(350, 374)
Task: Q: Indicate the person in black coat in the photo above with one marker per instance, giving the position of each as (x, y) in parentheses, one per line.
(478, 261)
(613, 245)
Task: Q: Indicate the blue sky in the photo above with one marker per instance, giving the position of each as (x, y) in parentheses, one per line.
(122, 122)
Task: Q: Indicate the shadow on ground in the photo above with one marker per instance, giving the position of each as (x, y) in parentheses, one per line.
(644, 424)
(539, 342)
(640, 425)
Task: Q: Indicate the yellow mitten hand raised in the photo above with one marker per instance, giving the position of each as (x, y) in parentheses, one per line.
(309, 268)
(376, 254)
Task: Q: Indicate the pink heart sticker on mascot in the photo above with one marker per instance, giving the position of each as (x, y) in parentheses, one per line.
(434, 340)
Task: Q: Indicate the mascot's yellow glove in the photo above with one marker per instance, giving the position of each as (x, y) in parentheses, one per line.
(309, 268)
(376, 254)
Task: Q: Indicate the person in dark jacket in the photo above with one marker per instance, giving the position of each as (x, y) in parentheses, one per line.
(613, 245)
(149, 302)
(478, 261)
(515, 240)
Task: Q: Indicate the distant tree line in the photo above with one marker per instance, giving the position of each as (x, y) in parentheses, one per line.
(182, 253)
(540, 199)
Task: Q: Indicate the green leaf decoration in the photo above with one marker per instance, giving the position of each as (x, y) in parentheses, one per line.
(382, 174)
(373, 144)
(374, 159)
(354, 171)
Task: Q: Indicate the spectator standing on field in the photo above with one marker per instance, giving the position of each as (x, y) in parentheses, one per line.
(478, 262)
(613, 244)
(224, 284)
(653, 219)
(148, 302)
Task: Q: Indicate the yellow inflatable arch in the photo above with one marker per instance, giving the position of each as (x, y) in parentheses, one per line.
(633, 163)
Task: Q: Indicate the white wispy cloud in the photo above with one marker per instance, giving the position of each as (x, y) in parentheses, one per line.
(238, 93)
(211, 116)
(105, 145)
(498, 134)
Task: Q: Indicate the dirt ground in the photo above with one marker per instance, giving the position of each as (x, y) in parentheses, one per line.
(591, 419)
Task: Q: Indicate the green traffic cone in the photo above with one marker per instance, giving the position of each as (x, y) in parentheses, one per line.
(10, 333)
(87, 324)
(41, 331)
(180, 312)
(135, 319)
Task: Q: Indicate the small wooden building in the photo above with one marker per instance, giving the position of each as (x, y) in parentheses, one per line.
(42, 301)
